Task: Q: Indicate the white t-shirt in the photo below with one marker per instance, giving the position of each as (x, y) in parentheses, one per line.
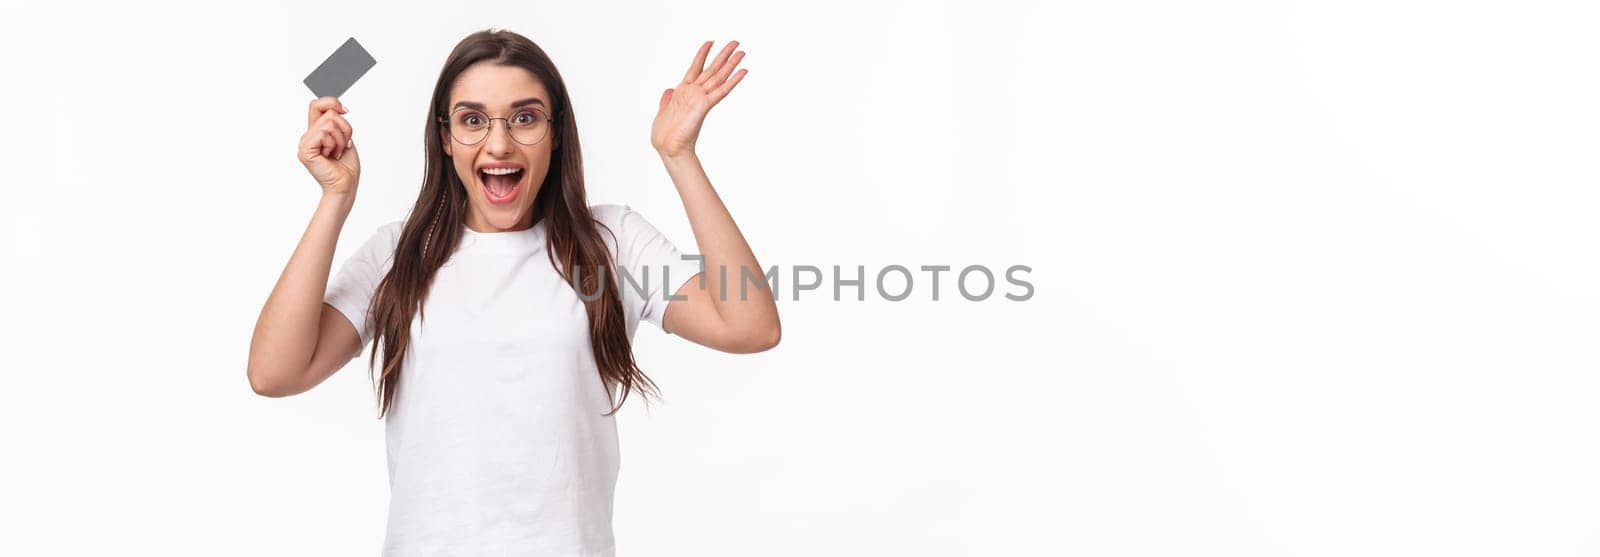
(496, 440)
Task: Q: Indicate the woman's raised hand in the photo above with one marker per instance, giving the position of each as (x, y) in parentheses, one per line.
(327, 150)
(683, 108)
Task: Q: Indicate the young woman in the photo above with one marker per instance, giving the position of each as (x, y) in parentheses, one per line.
(504, 304)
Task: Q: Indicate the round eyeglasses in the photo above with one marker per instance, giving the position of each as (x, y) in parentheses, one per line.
(468, 126)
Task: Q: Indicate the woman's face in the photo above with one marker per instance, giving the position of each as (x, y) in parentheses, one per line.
(501, 173)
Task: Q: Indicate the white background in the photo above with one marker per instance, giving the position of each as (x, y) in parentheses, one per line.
(1312, 278)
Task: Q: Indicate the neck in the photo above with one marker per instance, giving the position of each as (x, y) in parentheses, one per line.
(477, 223)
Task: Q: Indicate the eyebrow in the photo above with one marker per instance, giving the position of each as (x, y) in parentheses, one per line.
(479, 106)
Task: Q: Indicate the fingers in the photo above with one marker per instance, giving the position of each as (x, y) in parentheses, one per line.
(310, 145)
(330, 137)
(337, 122)
(699, 63)
(330, 145)
(338, 127)
(721, 74)
(321, 105)
(723, 90)
(324, 115)
(716, 65)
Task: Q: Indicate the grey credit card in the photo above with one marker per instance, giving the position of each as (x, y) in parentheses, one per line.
(340, 70)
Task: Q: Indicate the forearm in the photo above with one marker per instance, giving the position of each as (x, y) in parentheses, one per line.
(724, 248)
(286, 332)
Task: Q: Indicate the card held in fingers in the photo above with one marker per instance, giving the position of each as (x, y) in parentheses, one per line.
(340, 70)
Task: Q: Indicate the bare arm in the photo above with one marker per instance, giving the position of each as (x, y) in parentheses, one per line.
(298, 340)
(741, 324)
(735, 323)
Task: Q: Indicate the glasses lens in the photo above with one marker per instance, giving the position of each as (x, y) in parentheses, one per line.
(469, 126)
(529, 126)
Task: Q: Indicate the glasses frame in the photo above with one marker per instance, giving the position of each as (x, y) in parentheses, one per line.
(506, 123)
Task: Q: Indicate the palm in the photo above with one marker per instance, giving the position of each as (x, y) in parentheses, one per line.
(683, 108)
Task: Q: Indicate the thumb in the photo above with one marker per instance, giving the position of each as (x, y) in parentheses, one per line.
(666, 96)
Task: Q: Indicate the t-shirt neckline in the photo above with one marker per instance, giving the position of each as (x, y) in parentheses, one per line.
(530, 237)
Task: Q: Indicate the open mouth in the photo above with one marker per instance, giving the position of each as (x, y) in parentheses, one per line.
(500, 183)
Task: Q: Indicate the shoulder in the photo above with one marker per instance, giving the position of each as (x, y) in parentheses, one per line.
(391, 230)
(388, 235)
(382, 242)
(627, 231)
(609, 214)
(616, 220)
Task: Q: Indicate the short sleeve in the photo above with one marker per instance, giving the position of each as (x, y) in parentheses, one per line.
(650, 267)
(350, 291)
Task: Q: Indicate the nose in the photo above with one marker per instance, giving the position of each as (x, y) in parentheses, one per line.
(499, 141)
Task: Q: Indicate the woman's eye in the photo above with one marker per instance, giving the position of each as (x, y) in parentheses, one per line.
(472, 120)
(524, 118)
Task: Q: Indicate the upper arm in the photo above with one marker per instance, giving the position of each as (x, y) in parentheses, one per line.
(690, 311)
(694, 317)
(342, 327)
(337, 344)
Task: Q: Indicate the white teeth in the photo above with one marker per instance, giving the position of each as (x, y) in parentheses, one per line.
(501, 171)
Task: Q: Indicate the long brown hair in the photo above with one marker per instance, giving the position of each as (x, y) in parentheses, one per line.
(432, 230)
